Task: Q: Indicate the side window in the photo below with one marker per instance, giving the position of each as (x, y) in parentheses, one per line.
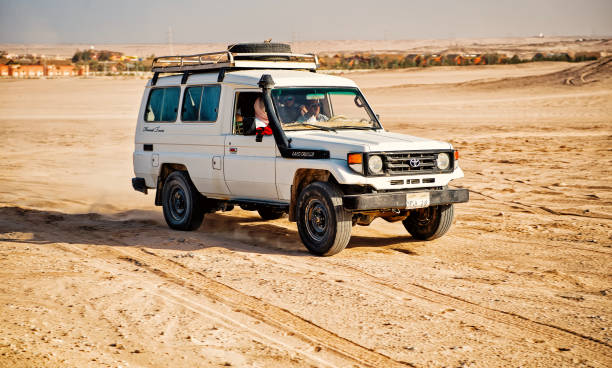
(210, 103)
(201, 103)
(163, 104)
(170, 105)
(153, 112)
(244, 113)
(191, 103)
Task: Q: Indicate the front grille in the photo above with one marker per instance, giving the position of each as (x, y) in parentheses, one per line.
(398, 163)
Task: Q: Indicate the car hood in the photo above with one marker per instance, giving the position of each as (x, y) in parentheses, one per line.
(342, 141)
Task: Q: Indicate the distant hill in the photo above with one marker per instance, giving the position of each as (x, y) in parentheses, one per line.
(474, 45)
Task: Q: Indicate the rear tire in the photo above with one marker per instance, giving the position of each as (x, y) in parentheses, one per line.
(182, 203)
(268, 213)
(430, 223)
(323, 223)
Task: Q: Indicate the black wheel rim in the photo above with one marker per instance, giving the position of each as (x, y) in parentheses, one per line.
(317, 220)
(178, 203)
(425, 216)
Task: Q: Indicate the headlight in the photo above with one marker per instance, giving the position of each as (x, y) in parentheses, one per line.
(375, 164)
(443, 161)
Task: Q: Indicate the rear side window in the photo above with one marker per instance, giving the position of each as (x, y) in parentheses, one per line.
(201, 103)
(163, 104)
(191, 103)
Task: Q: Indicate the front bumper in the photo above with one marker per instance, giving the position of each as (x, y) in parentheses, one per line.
(404, 200)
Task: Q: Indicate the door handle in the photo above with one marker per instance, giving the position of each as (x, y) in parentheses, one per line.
(216, 162)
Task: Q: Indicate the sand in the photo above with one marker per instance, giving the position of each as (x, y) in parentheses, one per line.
(90, 276)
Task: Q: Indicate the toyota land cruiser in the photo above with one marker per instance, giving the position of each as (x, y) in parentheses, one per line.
(328, 163)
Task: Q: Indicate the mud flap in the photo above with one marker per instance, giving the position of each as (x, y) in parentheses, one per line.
(139, 185)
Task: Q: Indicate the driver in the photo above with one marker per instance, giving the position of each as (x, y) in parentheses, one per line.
(289, 111)
(312, 113)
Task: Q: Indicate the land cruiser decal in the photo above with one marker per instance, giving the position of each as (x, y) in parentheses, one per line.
(304, 154)
(157, 129)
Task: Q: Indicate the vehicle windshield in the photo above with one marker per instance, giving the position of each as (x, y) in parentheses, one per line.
(323, 108)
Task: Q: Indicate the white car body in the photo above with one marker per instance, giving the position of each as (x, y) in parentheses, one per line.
(258, 171)
(199, 167)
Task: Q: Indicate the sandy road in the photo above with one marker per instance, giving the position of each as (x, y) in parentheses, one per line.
(90, 275)
(237, 307)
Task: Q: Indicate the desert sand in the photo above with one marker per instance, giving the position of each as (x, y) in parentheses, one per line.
(90, 275)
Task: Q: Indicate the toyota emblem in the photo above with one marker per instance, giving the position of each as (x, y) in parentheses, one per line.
(415, 162)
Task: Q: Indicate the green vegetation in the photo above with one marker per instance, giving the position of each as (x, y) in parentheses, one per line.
(111, 62)
(397, 61)
(81, 56)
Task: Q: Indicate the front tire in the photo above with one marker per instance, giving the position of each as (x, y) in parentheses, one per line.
(181, 202)
(431, 222)
(323, 223)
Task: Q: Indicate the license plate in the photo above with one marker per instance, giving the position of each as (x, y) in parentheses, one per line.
(417, 200)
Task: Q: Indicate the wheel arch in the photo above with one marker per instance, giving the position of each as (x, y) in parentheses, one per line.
(301, 179)
(165, 170)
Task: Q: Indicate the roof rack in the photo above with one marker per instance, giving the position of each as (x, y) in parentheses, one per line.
(227, 60)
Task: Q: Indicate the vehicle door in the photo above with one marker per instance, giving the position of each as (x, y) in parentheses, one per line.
(249, 165)
(201, 142)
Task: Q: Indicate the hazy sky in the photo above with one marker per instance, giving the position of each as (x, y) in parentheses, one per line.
(193, 21)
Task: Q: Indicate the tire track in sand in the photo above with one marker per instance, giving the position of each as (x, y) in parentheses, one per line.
(222, 315)
(597, 351)
(588, 346)
(584, 345)
(341, 348)
(338, 351)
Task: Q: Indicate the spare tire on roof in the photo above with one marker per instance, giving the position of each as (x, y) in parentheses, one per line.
(259, 47)
(250, 48)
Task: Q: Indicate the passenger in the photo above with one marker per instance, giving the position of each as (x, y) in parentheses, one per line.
(289, 111)
(312, 114)
(261, 118)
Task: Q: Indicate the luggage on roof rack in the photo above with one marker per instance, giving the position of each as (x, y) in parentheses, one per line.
(230, 59)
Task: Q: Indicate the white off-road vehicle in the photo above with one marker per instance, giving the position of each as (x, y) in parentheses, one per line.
(328, 163)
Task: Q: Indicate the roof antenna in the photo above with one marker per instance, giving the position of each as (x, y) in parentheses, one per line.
(170, 43)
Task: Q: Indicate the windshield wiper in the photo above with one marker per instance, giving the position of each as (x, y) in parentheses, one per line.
(355, 127)
(327, 129)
